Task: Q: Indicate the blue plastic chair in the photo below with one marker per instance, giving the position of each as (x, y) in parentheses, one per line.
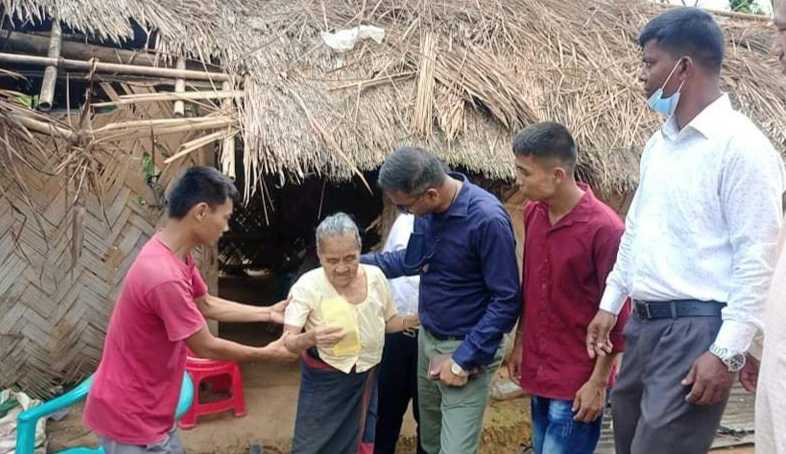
(26, 421)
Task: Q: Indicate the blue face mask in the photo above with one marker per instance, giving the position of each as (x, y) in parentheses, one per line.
(665, 106)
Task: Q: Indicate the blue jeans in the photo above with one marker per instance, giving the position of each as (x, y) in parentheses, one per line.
(555, 432)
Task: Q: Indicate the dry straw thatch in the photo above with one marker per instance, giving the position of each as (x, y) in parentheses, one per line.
(458, 76)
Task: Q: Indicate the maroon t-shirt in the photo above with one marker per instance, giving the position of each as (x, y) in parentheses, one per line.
(137, 385)
(565, 269)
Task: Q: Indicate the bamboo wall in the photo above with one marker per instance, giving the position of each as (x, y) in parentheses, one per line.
(61, 267)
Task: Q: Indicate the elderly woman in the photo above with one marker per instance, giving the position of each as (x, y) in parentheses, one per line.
(337, 401)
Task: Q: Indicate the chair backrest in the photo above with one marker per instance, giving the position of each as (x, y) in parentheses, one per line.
(26, 421)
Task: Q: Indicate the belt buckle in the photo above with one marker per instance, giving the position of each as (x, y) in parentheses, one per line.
(413, 332)
(643, 309)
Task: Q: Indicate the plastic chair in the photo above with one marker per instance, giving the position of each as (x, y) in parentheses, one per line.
(26, 421)
(223, 376)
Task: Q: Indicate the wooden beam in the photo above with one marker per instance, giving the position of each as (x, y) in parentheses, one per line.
(112, 67)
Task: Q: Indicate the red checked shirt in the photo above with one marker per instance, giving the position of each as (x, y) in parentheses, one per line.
(565, 269)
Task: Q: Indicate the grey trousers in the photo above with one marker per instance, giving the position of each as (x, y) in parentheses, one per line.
(170, 445)
(649, 409)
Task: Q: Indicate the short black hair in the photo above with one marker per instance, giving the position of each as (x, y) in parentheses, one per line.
(687, 31)
(411, 170)
(197, 185)
(547, 140)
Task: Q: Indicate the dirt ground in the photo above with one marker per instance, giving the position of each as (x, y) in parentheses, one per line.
(271, 392)
(271, 400)
(735, 450)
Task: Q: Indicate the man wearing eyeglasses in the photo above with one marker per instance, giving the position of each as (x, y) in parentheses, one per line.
(463, 248)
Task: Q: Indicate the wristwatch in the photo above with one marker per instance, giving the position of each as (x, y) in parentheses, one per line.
(455, 369)
(733, 361)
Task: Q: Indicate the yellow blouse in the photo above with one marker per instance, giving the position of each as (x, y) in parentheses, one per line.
(316, 303)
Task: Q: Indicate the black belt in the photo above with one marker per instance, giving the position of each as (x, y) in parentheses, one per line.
(443, 337)
(652, 310)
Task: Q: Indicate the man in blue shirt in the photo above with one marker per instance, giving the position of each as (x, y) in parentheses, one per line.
(463, 248)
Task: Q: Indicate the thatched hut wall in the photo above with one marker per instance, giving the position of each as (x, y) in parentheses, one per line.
(62, 263)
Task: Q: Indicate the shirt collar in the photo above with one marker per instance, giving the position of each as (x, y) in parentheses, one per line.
(460, 206)
(582, 212)
(708, 122)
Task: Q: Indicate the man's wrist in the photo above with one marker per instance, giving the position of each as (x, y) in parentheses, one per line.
(456, 369)
(597, 382)
(734, 361)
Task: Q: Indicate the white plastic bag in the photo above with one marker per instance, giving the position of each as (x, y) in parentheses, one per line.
(8, 423)
(345, 40)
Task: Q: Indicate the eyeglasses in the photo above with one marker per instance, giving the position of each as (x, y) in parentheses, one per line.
(407, 209)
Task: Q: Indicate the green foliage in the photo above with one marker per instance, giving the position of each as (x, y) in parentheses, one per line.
(745, 6)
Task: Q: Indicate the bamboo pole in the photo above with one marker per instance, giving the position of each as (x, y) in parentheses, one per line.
(180, 87)
(47, 95)
(112, 67)
(194, 123)
(228, 145)
(44, 128)
(198, 143)
(33, 44)
(159, 132)
(156, 97)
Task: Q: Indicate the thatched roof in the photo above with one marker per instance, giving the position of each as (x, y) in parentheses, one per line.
(458, 76)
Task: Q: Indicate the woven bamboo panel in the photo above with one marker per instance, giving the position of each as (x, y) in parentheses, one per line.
(61, 266)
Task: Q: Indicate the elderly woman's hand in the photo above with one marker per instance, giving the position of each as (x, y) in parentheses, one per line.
(327, 336)
(411, 323)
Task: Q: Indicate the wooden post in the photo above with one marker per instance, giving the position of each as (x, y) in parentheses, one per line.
(228, 146)
(47, 95)
(180, 87)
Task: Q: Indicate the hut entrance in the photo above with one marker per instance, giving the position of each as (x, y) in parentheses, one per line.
(271, 242)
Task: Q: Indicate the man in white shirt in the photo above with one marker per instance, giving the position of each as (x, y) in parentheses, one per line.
(698, 249)
(398, 374)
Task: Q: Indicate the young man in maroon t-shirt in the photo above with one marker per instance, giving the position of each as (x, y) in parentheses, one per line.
(160, 311)
(571, 241)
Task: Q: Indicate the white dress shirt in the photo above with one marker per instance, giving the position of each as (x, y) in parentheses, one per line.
(405, 289)
(704, 221)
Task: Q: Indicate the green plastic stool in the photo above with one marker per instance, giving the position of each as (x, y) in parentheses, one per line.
(26, 421)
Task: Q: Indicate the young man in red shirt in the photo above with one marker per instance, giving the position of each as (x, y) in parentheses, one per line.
(161, 310)
(571, 241)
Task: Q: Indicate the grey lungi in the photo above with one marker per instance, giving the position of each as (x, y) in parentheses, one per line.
(649, 410)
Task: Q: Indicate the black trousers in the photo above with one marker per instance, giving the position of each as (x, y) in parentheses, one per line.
(398, 384)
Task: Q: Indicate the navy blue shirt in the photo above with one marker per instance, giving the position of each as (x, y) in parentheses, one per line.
(469, 285)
